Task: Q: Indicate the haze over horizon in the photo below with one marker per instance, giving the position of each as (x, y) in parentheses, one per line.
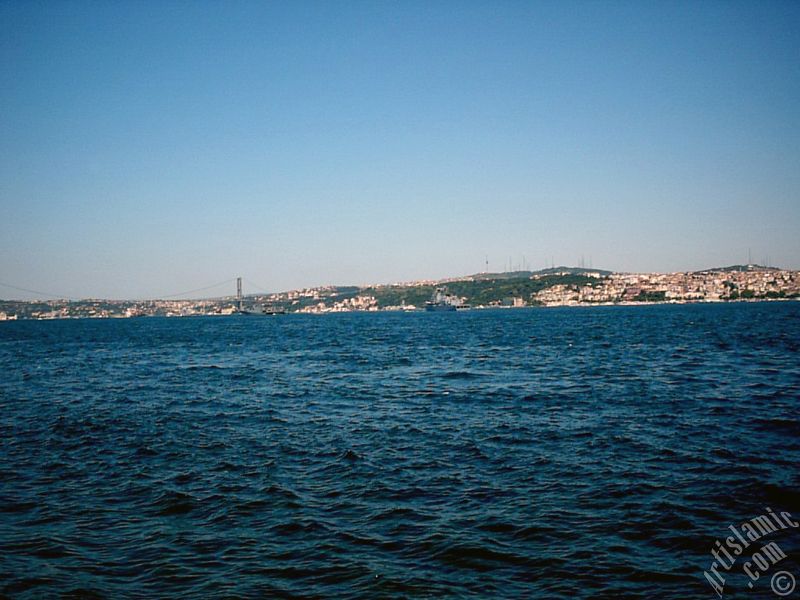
(147, 149)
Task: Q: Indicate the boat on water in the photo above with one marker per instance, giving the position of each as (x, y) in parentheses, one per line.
(444, 301)
(261, 310)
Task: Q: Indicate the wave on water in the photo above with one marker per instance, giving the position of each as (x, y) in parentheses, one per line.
(497, 454)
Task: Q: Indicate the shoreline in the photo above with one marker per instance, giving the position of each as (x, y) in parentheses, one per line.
(409, 311)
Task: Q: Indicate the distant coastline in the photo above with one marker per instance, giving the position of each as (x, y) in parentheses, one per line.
(557, 286)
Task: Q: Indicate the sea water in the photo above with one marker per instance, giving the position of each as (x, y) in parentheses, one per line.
(554, 453)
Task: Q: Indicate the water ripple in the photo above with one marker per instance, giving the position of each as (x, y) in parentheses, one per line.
(534, 453)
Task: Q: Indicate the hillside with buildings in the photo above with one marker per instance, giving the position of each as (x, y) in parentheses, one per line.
(559, 286)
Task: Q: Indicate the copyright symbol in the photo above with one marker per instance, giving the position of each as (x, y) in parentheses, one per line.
(782, 583)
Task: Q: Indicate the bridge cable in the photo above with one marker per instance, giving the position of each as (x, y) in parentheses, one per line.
(202, 289)
(22, 289)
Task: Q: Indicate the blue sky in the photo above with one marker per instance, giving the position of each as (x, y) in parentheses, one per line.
(152, 147)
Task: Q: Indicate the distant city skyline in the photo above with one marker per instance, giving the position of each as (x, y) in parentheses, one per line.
(151, 148)
(225, 289)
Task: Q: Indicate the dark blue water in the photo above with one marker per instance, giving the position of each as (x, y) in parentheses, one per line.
(553, 453)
